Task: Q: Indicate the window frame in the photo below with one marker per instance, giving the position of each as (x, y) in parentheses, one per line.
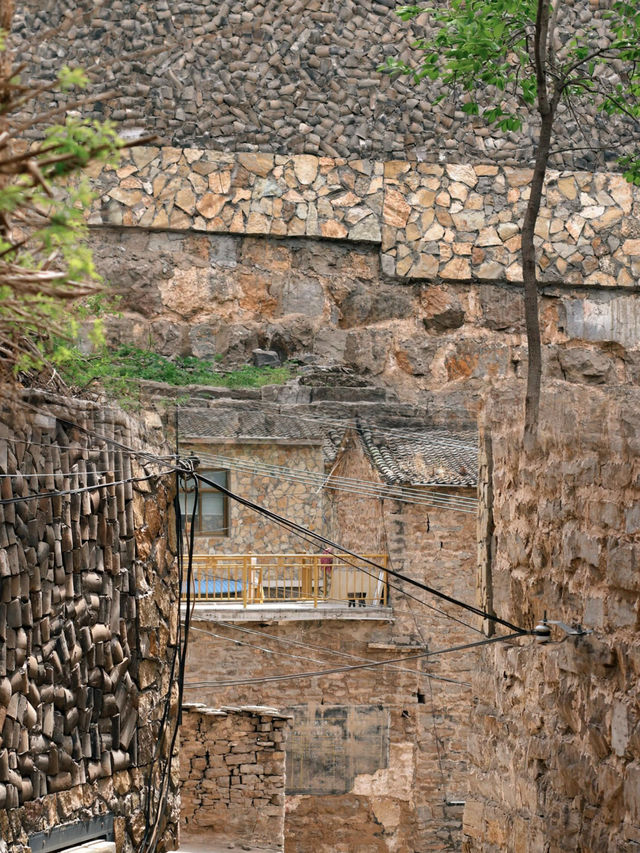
(204, 489)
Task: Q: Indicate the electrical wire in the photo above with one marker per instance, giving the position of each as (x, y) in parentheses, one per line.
(315, 660)
(150, 839)
(294, 527)
(343, 669)
(364, 488)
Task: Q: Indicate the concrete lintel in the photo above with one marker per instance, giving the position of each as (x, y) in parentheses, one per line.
(266, 614)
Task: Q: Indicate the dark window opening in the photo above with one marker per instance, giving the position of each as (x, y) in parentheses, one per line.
(212, 514)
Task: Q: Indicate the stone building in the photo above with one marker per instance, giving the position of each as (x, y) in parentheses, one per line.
(88, 627)
(368, 749)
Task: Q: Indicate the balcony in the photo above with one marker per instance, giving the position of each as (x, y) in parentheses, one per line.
(288, 586)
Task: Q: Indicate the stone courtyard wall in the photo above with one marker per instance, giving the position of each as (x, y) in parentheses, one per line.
(555, 748)
(232, 772)
(88, 620)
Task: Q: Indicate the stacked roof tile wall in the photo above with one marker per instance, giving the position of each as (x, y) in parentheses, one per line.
(88, 618)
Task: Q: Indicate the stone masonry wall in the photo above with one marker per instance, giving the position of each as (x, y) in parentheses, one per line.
(436, 546)
(438, 222)
(383, 797)
(377, 807)
(555, 749)
(88, 617)
(285, 76)
(249, 531)
(232, 772)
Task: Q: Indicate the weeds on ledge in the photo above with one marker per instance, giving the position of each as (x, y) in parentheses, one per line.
(118, 371)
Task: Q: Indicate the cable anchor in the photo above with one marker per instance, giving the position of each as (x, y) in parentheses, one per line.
(542, 631)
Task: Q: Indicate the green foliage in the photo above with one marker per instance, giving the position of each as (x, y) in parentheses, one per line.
(45, 265)
(484, 52)
(120, 370)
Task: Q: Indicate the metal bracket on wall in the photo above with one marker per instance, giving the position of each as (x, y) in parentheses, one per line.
(72, 834)
(542, 631)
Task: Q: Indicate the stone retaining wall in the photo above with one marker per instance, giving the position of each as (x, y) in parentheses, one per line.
(88, 617)
(555, 749)
(285, 76)
(232, 771)
(434, 222)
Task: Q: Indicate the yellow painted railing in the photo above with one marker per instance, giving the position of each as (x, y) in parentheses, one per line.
(310, 578)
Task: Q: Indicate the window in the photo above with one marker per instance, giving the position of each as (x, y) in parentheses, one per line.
(212, 515)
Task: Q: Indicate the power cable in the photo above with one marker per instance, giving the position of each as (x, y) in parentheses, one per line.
(328, 542)
(352, 668)
(315, 660)
(363, 488)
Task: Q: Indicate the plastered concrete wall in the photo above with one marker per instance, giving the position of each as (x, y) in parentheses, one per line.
(284, 76)
(88, 618)
(555, 751)
(232, 775)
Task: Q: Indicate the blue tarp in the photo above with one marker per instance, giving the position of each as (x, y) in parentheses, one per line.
(214, 586)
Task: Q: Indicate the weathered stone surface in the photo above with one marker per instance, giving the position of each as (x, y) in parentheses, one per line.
(288, 80)
(561, 545)
(232, 774)
(432, 225)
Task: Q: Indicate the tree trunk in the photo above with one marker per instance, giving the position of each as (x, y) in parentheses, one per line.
(530, 279)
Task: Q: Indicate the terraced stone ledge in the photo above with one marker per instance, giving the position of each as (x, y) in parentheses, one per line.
(454, 222)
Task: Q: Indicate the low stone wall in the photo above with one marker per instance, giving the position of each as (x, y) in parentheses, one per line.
(436, 222)
(555, 750)
(232, 772)
(88, 618)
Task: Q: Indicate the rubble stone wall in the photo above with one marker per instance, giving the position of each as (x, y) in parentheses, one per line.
(448, 222)
(376, 808)
(248, 531)
(555, 748)
(232, 772)
(436, 546)
(88, 619)
(285, 76)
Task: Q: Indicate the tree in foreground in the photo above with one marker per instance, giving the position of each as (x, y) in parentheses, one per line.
(45, 266)
(507, 59)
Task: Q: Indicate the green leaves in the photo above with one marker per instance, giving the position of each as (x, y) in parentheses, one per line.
(482, 53)
(70, 78)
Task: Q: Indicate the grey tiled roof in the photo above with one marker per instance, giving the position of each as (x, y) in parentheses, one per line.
(407, 456)
(423, 457)
(245, 423)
